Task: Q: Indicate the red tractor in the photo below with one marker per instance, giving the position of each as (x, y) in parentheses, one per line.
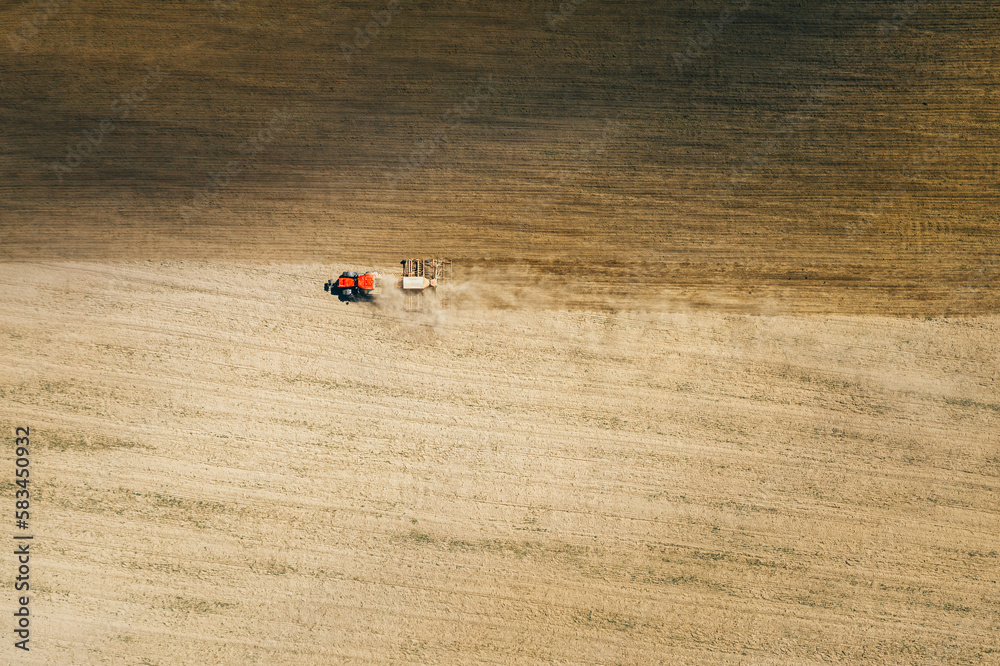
(351, 287)
(421, 278)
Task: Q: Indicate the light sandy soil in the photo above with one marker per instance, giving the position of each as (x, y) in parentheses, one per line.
(229, 466)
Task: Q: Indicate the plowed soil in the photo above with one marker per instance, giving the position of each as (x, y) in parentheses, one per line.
(838, 156)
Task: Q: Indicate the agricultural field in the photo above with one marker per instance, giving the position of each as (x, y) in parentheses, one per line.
(718, 386)
(845, 145)
(232, 466)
